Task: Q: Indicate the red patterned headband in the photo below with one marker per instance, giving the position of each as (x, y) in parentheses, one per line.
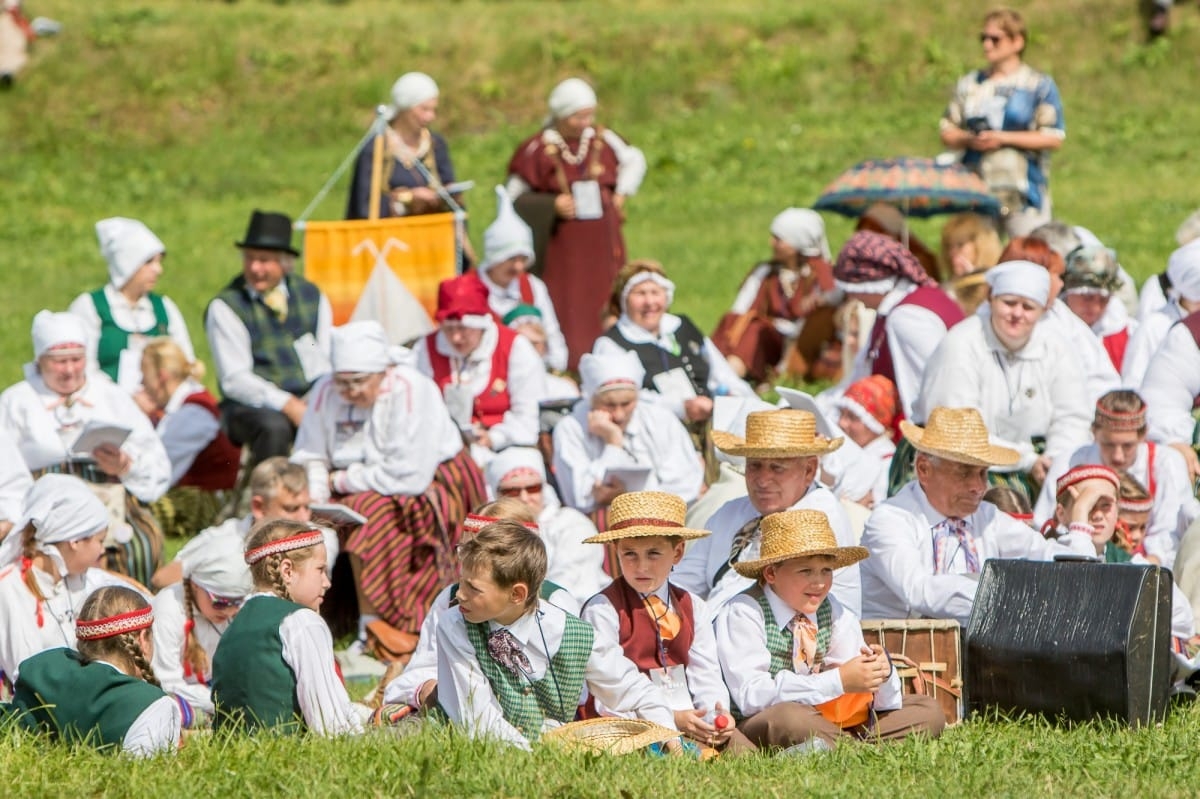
(1136, 505)
(643, 522)
(308, 538)
(475, 522)
(109, 626)
(1089, 472)
(1121, 420)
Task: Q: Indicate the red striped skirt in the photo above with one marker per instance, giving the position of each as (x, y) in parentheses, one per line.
(407, 546)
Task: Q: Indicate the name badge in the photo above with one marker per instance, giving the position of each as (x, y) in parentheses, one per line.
(586, 194)
(672, 681)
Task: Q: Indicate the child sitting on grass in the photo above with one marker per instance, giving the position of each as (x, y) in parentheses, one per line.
(665, 631)
(511, 665)
(105, 695)
(274, 667)
(797, 666)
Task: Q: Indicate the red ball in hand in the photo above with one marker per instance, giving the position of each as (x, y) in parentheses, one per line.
(721, 722)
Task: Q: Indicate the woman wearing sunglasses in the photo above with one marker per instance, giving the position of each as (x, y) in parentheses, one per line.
(190, 617)
(1006, 119)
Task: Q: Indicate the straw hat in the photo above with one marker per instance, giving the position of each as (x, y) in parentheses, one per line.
(959, 435)
(798, 534)
(784, 433)
(609, 735)
(638, 514)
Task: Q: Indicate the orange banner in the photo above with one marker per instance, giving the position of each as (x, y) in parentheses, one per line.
(369, 268)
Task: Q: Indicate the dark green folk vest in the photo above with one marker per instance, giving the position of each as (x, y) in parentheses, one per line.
(252, 684)
(114, 339)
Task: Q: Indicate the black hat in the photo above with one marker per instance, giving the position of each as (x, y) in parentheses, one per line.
(269, 230)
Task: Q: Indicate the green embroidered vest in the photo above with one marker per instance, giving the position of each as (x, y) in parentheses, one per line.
(1114, 554)
(79, 702)
(272, 339)
(526, 705)
(114, 339)
(252, 684)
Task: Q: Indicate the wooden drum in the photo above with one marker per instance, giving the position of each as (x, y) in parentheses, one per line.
(930, 659)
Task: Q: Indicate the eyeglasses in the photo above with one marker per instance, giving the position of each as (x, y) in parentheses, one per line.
(987, 38)
(224, 602)
(351, 382)
(516, 491)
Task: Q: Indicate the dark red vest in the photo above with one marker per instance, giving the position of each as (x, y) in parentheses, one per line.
(490, 405)
(637, 629)
(216, 467)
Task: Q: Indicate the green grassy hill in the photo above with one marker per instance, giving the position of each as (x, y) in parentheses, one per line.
(187, 114)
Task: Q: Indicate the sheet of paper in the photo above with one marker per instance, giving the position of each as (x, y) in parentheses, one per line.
(336, 514)
(587, 199)
(313, 361)
(95, 433)
(674, 383)
(634, 478)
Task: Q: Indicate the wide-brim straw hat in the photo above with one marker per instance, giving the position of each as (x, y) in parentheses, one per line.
(798, 534)
(639, 514)
(609, 735)
(785, 433)
(959, 435)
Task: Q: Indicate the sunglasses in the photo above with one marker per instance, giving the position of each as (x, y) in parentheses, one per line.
(987, 38)
(516, 491)
(224, 602)
(351, 382)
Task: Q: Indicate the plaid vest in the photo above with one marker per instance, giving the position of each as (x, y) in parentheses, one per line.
(272, 340)
(526, 705)
(252, 685)
(113, 338)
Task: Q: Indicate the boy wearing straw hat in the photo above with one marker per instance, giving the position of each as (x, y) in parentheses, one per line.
(794, 658)
(511, 665)
(928, 543)
(781, 449)
(665, 631)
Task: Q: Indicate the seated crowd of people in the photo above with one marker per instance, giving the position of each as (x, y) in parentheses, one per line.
(642, 536)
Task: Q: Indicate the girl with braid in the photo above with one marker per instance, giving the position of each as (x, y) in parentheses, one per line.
(105, 695)
(191, 616)
(274, 668)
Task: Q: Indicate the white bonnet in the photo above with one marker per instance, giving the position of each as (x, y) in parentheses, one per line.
(508, 236)
(513, 459)
(605, 372)
(51, 329)
(803, 230)
(1183, 270)
(127, 245)
(411, 88)
(569, 97)
(360, 347)
(1020, 278)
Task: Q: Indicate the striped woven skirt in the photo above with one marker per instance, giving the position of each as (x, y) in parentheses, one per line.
(407, 545)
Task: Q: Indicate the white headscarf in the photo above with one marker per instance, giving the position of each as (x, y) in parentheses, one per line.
(52, 329)
(411, 88)
(508, 236)
(219, 567)
(606, 372)
(513, 459)
(1183, 270)
(1022, 279)
(644, 277)
(127, 245)
(570, 96)
(360, 347)
(804, 231)
(61, 508)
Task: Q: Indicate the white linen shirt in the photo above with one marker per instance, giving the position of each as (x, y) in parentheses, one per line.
(898, 578)
(15, 479)
(229, 342)
(654, 438)
(721, 377)
(706, 556)
(1037, 391)
(703, 671)
(746, 662)
(1145, 341)
(135, 317)
(185, 429)
(1171, 385)
(1086, 349)
(526, 383)
(170, 643)
(404, 436)
(45, 429)
(502, 299)
(570, 563)
(466, 695)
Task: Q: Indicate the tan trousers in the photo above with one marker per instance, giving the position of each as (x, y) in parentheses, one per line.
(791, 723)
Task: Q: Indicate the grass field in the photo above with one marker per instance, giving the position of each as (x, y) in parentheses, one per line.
(187, 114)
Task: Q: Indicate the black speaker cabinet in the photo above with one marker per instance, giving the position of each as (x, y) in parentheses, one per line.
(1070, 640)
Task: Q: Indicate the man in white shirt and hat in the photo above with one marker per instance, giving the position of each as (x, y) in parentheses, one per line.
(782, 450)
(928, 543)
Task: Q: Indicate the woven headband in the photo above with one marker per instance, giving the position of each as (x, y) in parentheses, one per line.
(1081, 473)
(109, 626)
(475, 522)
(1136, 505)
(1121, 420)
(643, 522)
(308, 538)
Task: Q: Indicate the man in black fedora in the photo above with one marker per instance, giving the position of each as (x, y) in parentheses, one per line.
(269, 335)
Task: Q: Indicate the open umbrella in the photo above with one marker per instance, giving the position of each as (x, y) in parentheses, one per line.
(917, 186)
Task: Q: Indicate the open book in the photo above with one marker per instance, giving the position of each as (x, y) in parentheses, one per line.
(96, 433)
(336, 514)
(634, 478)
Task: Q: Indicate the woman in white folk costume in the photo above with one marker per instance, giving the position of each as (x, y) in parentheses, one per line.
(190, 616)
(520, 473)
(378, 438)
(507, 257)
(1024, 380)
(106, 695)
(15, 482)
(50, 563)
(125, 313)
(613, 442)
(47, 411)
(1183, 275)
(491, 378)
